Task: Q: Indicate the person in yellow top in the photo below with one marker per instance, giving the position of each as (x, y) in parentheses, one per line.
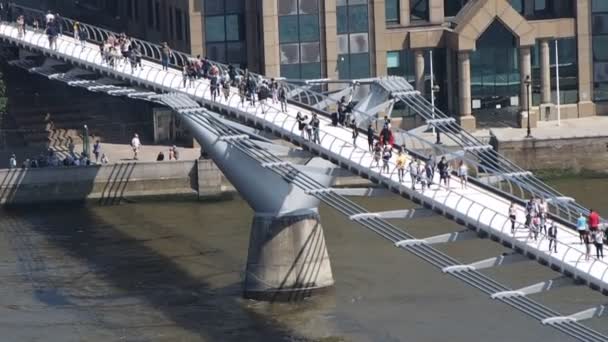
(400, 165)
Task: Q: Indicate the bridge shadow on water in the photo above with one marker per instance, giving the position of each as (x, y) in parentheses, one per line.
(127, 264)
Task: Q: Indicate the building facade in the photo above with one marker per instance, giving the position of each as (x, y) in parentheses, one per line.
(482, 50)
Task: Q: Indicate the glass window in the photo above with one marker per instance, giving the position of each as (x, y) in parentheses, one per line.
(290, 53)
(310, 71)
(342, 19)
(419, 10)
(234, 6)
(517, 5)
(393, 59)
(359, 65)
(290, 71)
(391, 9)
(235, 52)
(179, 27)
(600, 48)
(309, 28)
(309, 7)
(600, 23)
(342, 44)
(359, 43)
(233, 28)
(358, 18)
(288, 29)
(310, 52)
(288, 7)
(452, 7)
(214, 7)
(540, 5)
(157, 15)
(216, 51)
(150, 14)
(214, 29)
(599, 6)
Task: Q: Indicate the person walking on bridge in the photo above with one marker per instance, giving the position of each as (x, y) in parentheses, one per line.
(166, 54)
(512, 216)
(387, 154)
(315, 122)
(413, 170)
(400, 165)
(598, 241)
(552, 233)
(12, 162)
(135, 144)
(371, 134)
(581, 227)
(20, 26)
(594, 220)
(463, 172)
(282, 95)
(444, 175)
(353, 126)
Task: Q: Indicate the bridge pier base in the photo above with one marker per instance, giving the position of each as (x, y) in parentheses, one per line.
(288, 259)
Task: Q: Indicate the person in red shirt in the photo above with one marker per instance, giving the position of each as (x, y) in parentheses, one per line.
(594, 220)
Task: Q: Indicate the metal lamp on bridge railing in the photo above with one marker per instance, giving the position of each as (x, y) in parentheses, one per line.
(528, 83)
(85, 141)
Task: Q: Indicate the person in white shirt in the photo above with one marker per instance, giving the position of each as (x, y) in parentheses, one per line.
(135, 144)
(49, 17)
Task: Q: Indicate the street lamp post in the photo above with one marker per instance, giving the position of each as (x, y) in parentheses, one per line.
(85, 141)
(435, 89)
(528, 83)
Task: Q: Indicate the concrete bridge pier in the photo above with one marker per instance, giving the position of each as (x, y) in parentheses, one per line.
(287, 258)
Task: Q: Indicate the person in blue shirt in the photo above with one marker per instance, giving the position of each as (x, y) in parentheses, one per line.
(581, 227)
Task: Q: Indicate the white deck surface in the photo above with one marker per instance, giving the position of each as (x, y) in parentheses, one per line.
(474, 205)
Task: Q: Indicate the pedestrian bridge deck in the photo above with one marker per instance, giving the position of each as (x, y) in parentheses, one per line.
(475, 206)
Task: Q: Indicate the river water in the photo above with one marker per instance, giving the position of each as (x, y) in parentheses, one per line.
(172, 271)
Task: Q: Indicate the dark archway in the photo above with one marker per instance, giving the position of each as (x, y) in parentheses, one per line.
(495, 79)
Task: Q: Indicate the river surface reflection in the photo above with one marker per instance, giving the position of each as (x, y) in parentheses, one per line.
(171, 271)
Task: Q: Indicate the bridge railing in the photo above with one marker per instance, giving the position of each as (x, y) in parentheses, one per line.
(490, 163)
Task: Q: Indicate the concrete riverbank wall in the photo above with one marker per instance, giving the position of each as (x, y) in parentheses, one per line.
(570, 155)
(115, 182)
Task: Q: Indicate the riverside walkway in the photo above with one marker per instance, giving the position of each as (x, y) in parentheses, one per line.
(476, 206)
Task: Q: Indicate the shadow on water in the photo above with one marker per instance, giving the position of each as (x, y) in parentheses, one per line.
(133, 268)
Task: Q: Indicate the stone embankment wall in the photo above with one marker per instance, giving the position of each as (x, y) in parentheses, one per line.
(568, 154)
(116, 182)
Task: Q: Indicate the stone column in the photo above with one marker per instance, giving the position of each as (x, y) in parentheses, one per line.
(545, 72)
(525, 95)
(467, 120)
(419, 70)
(436, 11)
(585, 61)
(270, 25)
(404, 12)
(331, 44)
(287, 258)
(377, 39)
(449, 67)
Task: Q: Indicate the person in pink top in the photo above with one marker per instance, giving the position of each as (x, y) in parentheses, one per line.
(594, 220)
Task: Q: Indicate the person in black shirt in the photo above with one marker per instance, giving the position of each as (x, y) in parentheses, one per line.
(370, 137)
(443, 171)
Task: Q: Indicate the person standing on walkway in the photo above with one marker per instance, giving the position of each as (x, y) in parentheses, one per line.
(20, 26)
(413, 170)
(594, 220)
(587, 241)
(581, 227)
(370, 137)
(542, 207)
(386, 157)
(51, 32)
(315, 122)
(552, 233)
(12, 162)
(512, 216)
(135, 144)
(400, 166)
(598, 241)
(444, 175)
(97, 150)
(353, 126)
(282, 95)
(463, 173)
(429, 169)
(166, 54)
(422, 175)
(377, 155)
